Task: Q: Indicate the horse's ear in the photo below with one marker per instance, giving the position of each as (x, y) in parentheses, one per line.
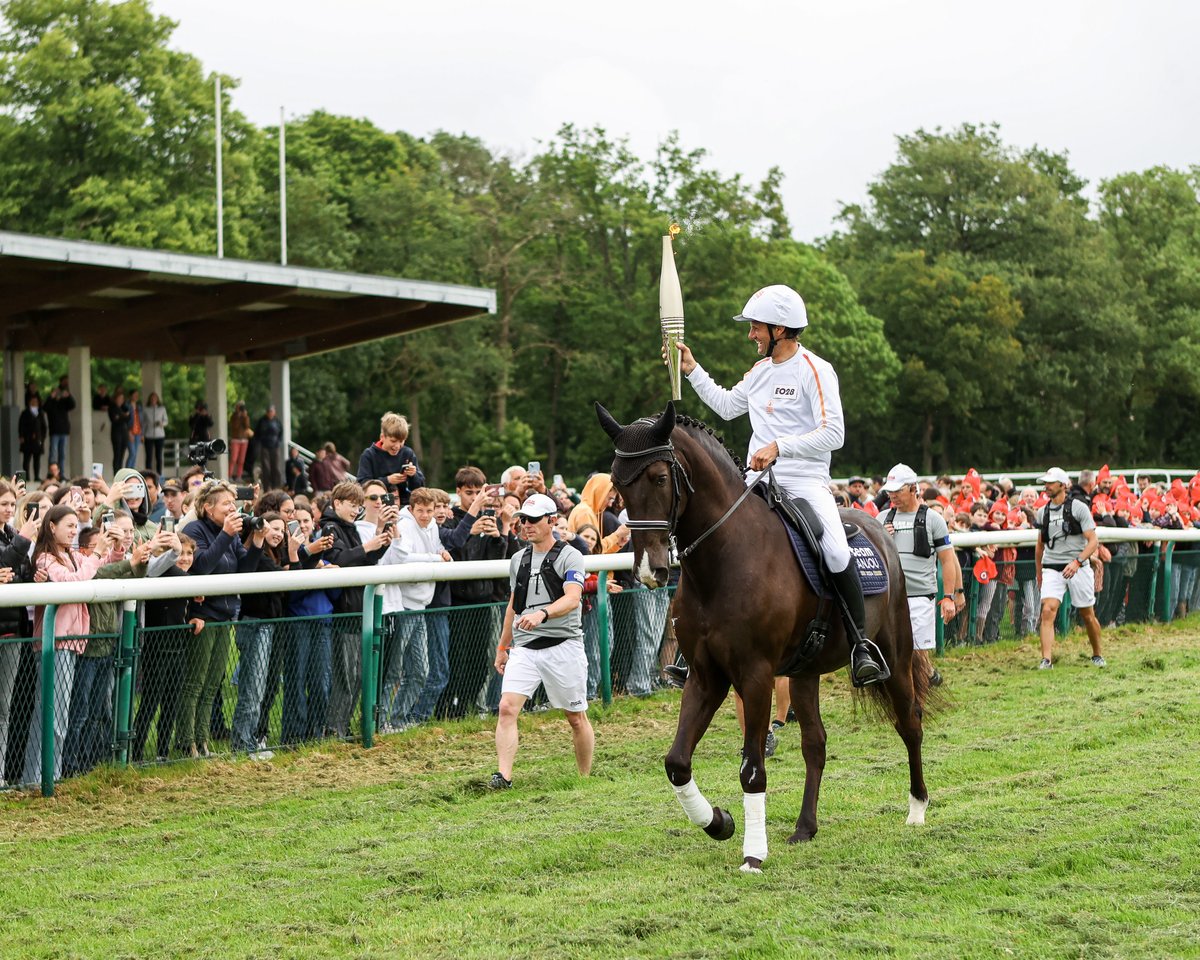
(607, 421)
(665, 423)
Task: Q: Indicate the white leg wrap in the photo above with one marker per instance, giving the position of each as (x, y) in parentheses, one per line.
(916, 811)
(698, 810)
(754, 843)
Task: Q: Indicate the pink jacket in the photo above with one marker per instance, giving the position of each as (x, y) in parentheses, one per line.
(72, 619)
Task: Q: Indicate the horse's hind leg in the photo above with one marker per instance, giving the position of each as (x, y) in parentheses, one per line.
(906, 688)
(806, 701)
(702, 695)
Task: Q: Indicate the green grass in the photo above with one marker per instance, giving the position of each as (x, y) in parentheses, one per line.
(1063, 823)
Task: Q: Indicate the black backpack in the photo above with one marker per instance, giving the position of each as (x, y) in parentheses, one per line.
(920, 533)
(1071, 526)
(550, 577)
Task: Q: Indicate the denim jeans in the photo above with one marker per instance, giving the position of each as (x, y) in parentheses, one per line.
(10, 660)
(135, 446)
(345, 685)
(89, 729)
(59, 447)
(306, 681)
(407, 665)
(253, 639)
(651, 619)
(437, 642)
(64, 679)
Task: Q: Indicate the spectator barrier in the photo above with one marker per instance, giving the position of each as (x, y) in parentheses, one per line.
(146, 694)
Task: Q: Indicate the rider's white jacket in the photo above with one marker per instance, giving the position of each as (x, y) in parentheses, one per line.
(796, 403)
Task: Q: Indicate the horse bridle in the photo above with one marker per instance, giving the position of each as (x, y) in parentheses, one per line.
(677, 471)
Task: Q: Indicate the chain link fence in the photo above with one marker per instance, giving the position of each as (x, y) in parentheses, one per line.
(160, 694)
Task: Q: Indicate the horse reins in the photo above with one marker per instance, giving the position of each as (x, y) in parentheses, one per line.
(677, 471)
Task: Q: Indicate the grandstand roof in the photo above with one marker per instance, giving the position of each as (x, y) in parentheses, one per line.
(157, 305)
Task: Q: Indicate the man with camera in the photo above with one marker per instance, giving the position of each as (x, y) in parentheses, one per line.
(541, 641)
(391, 460)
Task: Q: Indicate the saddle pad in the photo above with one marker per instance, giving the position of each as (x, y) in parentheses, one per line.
(871, 570)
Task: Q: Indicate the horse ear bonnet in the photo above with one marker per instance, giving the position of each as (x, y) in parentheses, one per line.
(651, 437)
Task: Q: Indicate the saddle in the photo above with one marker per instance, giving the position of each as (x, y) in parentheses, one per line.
(805, 529)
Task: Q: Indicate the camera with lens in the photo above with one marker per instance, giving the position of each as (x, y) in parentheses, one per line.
(251, 522)
(200, 453)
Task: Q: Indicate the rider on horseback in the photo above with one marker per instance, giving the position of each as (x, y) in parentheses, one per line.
(796, 411)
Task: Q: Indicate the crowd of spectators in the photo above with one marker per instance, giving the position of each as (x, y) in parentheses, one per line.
(1005, 575)
(439, 636)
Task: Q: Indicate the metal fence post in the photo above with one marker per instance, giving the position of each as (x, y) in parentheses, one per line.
(370, 626)
(602, 615)
(1166, 608)
(124, 718)
(48, 699)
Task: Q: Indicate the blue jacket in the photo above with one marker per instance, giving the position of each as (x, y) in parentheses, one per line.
(218, 552)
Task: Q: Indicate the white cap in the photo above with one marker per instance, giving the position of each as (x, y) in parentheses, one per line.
(900, 476)
(536, 506)
(776, 306)
(1055, 475)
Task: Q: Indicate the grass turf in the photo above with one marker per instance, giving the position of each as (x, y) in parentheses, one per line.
(1063, 824)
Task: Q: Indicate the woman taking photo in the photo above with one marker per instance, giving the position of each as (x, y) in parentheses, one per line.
(54, 555)
(15, 567)
(219, 549)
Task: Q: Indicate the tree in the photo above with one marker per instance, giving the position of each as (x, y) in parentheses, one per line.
(108, 134)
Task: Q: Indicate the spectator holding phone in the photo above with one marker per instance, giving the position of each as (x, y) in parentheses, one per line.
(15, 567)
(391, 460)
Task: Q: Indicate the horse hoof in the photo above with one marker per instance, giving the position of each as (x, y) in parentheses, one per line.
(722, 825)
(751, 865)
(916, 811)
(802, 836)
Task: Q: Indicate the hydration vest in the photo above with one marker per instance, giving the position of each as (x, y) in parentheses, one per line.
(919, 530)
(1071, 526)
(550, 577)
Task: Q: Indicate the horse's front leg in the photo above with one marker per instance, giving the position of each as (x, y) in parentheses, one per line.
(702, 695)
(806, 701)
(756, 700)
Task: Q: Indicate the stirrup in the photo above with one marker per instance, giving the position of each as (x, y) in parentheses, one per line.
(876, 666)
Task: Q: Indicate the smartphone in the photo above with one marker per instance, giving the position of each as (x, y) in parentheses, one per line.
(77, 493)
(558, 480)
(98, 471)
(244, 493)
(168, 525)
(388, 500)
(489, 512)
(496, 490)
(34, 510)
(293, 527)
(19, 476)
(107, 525)
(535, 466)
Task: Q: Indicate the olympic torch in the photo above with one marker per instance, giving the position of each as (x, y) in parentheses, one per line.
(670, 310)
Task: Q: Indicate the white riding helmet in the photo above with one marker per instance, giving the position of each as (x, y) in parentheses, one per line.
(776, 306)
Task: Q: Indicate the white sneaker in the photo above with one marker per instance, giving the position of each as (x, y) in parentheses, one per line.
(1098, 662)
(1046, 664)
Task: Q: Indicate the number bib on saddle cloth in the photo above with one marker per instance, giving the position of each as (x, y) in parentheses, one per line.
(871, 570)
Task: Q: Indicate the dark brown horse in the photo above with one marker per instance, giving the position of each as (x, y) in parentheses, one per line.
(741, 608)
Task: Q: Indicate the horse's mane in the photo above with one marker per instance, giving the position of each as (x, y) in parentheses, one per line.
(713, 442)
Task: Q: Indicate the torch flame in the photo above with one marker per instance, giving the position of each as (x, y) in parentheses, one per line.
(673, 229)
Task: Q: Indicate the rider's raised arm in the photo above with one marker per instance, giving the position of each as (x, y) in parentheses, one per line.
(726, 404)
(819, 384)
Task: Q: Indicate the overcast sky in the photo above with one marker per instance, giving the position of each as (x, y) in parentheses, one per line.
(820, 90)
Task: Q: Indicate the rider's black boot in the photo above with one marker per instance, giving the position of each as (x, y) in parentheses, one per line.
(676, 674)
(866, 662)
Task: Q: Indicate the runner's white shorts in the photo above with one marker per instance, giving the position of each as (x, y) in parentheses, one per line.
(921, 611)
(562, 669)
(1082, 586)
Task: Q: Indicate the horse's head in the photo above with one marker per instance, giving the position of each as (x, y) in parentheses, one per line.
(645, 473)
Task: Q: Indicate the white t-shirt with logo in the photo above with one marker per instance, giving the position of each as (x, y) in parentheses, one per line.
(796, 403)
